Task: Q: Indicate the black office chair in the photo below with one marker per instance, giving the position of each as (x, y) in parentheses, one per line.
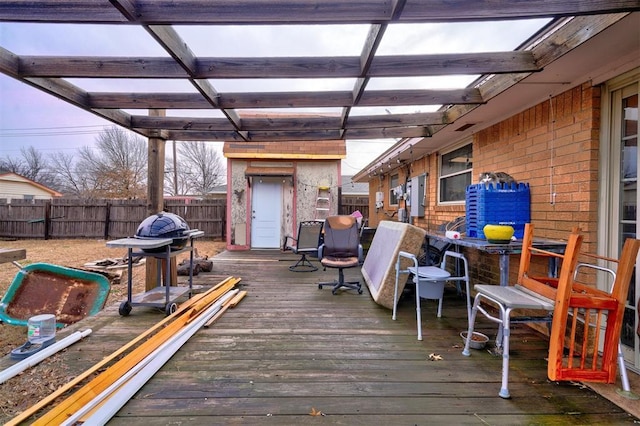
(341, 250)
(306, 243)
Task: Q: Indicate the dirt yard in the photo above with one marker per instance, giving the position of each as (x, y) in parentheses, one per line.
(23, 390)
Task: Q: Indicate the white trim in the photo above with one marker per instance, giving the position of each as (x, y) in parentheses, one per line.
(441, 153)
(609, 226)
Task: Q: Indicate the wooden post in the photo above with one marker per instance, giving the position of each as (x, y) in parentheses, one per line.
(155, 199)
(47, 220)
(107, 219)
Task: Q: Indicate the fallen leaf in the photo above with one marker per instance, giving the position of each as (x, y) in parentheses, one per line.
(435, 357)
(315, 412)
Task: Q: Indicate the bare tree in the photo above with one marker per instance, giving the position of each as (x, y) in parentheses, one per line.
(116, 168)
(173, 183)
(71, 181)
(13, 165)
(35, 166)
(200, 168)
(31, 164)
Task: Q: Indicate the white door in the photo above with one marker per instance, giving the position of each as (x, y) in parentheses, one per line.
(266, 213)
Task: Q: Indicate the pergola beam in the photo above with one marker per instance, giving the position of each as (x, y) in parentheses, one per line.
(255, 124)
(185, 12)
(375, 98)
(301, 67)
(498, 71)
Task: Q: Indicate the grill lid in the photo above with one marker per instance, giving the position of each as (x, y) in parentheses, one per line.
(162, 225)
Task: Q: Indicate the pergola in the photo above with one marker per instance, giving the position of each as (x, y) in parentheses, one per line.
(572, 24)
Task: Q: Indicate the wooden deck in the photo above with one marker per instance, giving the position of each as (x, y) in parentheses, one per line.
(289, 347)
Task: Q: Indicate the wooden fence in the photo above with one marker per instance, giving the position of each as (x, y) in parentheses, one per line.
(101, 219)
(349, 204)
(110, 219)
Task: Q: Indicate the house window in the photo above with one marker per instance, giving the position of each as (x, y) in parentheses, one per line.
(456, 168)
(28, 197)
(393, 196)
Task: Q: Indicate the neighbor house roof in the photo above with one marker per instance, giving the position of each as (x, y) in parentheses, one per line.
(12, 178)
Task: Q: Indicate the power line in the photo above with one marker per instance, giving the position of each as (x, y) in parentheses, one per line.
(50, 131)
(65, 133)
(53, 128)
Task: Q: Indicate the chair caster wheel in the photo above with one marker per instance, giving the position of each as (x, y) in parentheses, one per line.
(171, 308)
(359, 291)
(319, 286)
(334, 292)
(124, 309)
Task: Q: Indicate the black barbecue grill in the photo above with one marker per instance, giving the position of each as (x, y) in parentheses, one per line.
(164, 225)
(161, 236)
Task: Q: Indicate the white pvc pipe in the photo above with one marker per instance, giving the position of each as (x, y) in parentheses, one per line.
(119, 393)
(42, 354)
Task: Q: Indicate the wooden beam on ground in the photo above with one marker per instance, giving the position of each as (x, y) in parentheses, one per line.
(12, 255)
(107, 360)
(230, 304)
(112, 373)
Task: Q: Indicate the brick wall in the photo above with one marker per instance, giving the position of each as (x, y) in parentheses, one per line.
(553, 146)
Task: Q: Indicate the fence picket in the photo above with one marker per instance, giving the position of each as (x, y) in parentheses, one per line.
(100, 218)
(110, 219)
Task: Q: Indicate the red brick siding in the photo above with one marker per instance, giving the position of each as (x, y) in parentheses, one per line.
(556, 141)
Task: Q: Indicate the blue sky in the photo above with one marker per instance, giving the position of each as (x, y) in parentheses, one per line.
(29, 117)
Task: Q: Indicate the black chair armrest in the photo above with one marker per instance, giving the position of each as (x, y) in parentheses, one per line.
(286, 245)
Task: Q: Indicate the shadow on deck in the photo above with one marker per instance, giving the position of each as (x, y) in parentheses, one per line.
(289, 348)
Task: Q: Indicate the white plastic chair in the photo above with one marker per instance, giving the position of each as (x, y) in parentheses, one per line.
(430, 281)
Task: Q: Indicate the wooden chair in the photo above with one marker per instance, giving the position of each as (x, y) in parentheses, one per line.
(582, 314)
(528, 294)
(576, 312)
(305, 243)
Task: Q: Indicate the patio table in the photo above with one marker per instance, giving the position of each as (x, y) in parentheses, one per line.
(503, 250)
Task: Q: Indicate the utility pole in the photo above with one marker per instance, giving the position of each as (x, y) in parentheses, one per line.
(175, 169)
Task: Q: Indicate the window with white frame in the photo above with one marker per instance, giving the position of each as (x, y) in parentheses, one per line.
(393, 194)
(455, 172)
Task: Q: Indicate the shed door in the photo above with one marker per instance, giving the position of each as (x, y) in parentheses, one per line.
(266, 213)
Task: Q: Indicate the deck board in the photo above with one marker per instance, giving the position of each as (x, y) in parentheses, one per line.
(289, 347)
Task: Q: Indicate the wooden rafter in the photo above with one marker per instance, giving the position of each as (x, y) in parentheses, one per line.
(157, 17)
(285, 99)
(163, 12)
(304, 67)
